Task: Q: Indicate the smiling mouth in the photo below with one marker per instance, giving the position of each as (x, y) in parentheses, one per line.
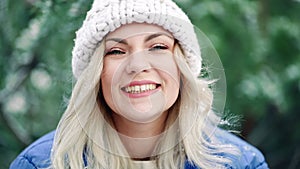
(136, 89)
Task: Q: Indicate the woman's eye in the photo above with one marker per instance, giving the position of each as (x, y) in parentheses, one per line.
(159, 47)
(115, 52)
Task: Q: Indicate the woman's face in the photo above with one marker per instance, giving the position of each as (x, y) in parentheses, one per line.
(140, 79)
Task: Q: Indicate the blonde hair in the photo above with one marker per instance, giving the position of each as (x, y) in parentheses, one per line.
(85, 133)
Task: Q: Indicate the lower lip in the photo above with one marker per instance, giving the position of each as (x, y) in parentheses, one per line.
(142, 94)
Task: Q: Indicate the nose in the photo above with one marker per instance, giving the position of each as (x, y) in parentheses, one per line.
(138, 62)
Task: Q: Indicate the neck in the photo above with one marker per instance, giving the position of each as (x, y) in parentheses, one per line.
(139, 139)
(139, 130)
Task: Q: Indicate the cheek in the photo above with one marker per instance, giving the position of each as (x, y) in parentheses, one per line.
(108, 72)
(111, 74)
(106, 81)
(171, 74)
(174, 84)
(171, 86)
(166, 64)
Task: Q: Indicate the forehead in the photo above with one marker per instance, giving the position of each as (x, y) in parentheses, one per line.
(134, 29)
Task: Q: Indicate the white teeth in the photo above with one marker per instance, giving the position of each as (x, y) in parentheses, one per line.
(140, 88)
(143, 88)
(136, 88)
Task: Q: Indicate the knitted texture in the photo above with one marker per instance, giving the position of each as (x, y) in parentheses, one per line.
(107, 15)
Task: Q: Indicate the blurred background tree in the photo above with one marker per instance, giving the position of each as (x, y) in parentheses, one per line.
(258, 42)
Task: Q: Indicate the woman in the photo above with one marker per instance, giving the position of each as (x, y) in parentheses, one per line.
(138, 102)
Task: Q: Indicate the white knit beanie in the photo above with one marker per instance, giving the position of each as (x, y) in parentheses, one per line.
(107, 15)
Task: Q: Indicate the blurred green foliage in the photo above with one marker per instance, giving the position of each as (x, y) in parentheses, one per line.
(258, 42)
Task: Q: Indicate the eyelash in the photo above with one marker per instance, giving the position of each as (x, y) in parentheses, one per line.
(115, 52)
(158, 47)
(155, 47)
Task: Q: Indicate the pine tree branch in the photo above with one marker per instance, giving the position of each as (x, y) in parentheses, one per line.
(23, 73)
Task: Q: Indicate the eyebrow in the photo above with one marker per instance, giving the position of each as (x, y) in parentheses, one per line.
(118, 40)
(148, 38)
(157, 35)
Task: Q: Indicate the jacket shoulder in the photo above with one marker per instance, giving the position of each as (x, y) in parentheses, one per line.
(250, 156)
(36, 155)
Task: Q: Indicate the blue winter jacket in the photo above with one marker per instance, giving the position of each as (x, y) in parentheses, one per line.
(37, 155)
